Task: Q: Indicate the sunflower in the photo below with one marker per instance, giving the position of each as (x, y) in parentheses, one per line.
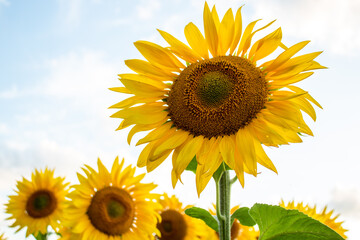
(175, 224)
(323, 216)
(38, 203)
(112, 205)
(214, 100)
(238, 231)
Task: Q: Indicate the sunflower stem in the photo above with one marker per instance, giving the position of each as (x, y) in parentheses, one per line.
(223, 205)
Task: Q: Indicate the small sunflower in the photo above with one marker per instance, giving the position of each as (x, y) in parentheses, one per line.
(175, 224)
(214, 100)
(112, 205)
(238, 231)
(38, 203)
(323, 216)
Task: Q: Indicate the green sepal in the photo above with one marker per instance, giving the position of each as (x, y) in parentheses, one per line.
(192, 165)
(242, 214)
(204, 215)
(277, 223)
(40, 236)
(217, 174)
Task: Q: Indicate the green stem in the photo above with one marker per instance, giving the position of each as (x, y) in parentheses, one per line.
(223, 205)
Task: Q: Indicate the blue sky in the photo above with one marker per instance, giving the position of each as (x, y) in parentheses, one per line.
(58, 59)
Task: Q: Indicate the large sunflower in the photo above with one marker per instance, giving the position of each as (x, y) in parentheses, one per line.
(112, 205)
(38, 203)
(238, 231)
(214, 100)
(175, 224)
(324, 216)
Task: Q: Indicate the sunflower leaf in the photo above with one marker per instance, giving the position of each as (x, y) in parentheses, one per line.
(204, 215)
(192, 165)
(242, 214)
(277, 223)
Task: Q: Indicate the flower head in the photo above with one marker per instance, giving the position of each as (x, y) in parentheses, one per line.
(38, 203)
(324, 216)
(112, 205)
(175, 224)
(213, 99)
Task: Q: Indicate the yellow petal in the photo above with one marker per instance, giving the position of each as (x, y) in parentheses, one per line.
(187, 153)
(146, 68)
(249, 38)
(300, 60)
(286, 55)
(307, 96)
(315, 65)
(211, 35)
(289, 80)
(245, 35)
(266, 45)
(196, 40)
(128, 102)
(285, 95)
(144, 114)
(144, 155)
(155, 134)
(155, 162)
(205, 172)
(226, 31)
(265, 134)
(305, 106)
(215, 16)
(288, 72)
(227, 150)
(142, 89)
(143, 79)
(142, 127)
(158, 56)
(239, 167)
(180, 48)
(120, 90)
(262, 158)
(237, 31)
(172, 142)
(245, 145)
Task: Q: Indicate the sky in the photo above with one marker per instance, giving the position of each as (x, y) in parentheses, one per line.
(58, 58)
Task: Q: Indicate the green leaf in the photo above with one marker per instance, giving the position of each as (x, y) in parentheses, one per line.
(204, 215)
(277, 223)
(192, 165)
(242, 214)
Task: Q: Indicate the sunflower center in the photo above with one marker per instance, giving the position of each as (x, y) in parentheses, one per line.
(217, 97)
(172, 226)
(112, 211)
(41, 204)
(235, 229)
(214, 87)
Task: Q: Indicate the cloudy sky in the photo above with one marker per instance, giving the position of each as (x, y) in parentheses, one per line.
(58, 59)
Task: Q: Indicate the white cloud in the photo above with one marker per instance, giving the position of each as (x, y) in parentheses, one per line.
(147, 9)
(330, 24)
(70, 12)
(5, 2)
(3, 128)
(13, 92)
